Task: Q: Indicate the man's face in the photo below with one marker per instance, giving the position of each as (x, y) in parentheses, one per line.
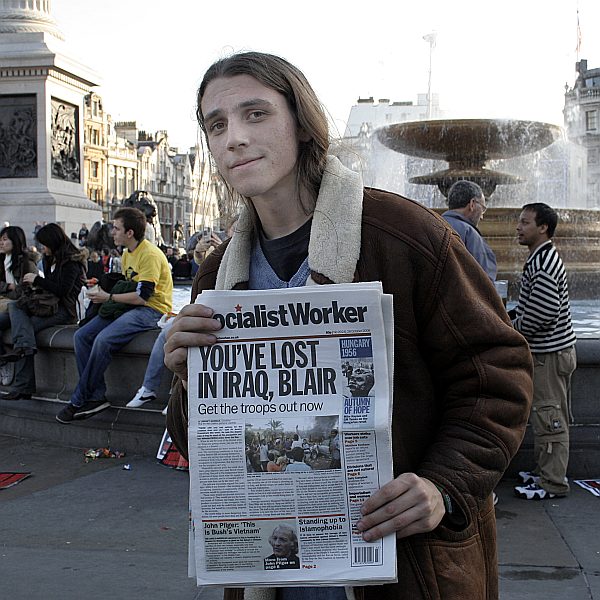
(528, 233)
(360, 382)
(282, 543)
(119, 234)
(253, 137)
(479, 208)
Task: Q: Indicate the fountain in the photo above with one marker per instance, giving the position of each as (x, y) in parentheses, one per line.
(467, 144)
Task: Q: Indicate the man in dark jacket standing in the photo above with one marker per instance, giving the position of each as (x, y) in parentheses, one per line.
(462, 375)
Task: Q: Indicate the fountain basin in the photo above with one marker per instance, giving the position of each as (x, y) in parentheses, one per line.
(469, 141)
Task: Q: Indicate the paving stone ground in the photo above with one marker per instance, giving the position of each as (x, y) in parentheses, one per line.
(95, 531)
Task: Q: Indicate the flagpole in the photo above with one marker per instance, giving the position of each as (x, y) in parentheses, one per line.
(430, 37)
(578, 45)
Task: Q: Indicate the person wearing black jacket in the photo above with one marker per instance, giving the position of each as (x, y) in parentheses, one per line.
(64, 274)
(95, 268)
(15, 262)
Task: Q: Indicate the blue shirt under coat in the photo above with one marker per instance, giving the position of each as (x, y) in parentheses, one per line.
(474, 242)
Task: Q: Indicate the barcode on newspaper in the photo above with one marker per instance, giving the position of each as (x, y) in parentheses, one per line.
(366, 555)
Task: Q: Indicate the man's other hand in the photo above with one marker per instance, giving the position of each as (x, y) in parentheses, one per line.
(407, 505)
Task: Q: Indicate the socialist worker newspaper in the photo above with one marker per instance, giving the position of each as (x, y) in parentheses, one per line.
(289, 433)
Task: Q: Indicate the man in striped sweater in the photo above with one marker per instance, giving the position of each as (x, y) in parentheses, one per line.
(543, 316)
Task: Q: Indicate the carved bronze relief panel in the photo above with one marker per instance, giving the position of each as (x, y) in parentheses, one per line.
(18, 136)
(64, 156)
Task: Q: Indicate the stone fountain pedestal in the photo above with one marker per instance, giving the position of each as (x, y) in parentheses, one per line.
(42, 90)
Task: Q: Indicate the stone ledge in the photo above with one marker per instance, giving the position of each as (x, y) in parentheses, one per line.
(56, 369)
(588, 352)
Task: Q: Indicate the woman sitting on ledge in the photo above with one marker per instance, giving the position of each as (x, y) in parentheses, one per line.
(15, 262)
(64, 274)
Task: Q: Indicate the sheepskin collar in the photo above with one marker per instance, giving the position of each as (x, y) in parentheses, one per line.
(334, 245)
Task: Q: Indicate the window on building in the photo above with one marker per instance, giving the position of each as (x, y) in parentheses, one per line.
(591, 120)
(94, 169)
(95, 137)
(592, 82)
(120, 182)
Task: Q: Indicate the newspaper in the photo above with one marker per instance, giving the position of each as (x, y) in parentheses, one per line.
(289, 433)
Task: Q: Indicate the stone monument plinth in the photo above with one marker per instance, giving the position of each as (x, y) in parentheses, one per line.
(42, 91)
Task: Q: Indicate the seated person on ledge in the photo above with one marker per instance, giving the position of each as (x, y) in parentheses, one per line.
(64, 272)
(140, 310)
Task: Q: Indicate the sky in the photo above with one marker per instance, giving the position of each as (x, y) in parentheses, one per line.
(507, 59)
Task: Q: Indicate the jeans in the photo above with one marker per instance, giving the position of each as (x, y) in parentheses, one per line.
(23, 329)
(156, 362)
(95, 344)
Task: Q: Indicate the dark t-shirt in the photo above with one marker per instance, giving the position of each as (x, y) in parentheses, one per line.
(286, 254)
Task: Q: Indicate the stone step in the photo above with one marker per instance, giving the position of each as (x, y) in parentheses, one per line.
(132, 430)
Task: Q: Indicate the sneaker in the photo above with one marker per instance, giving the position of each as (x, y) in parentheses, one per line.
(67, 414)
(76, 413)
(141, 397)
(532, 492)
(527, 477)
(90, 408)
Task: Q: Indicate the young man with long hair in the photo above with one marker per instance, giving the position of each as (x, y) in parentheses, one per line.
(462, 374)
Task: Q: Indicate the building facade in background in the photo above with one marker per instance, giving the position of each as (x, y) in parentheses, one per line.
(120, 159)
(582, 123)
